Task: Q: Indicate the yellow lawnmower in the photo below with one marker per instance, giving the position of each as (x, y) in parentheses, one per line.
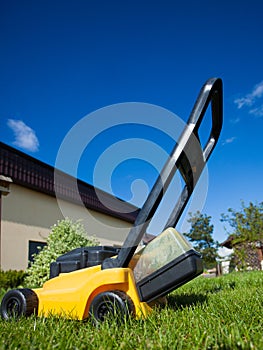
(101, 281)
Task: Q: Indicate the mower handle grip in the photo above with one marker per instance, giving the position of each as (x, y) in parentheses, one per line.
(210, 92)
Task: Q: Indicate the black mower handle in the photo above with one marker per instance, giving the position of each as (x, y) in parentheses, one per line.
(189, 158)
(193, 159)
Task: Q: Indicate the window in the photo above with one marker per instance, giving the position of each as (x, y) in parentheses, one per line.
(34, 247)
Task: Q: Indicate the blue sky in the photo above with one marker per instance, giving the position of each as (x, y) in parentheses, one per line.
(62, 60)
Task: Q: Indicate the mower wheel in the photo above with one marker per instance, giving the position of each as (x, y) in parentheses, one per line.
(113, 304)
(19, 302)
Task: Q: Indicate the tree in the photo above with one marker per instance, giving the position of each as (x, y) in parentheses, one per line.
(245, 234)
(200, 235)
(66, 235)
(246, 224)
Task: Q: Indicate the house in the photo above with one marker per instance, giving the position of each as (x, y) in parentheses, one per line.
(32, 201)
(247, 255)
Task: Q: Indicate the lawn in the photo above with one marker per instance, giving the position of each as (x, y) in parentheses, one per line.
(206, 313)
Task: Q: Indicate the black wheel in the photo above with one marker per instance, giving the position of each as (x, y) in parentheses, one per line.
(112, 304)
(19, 302)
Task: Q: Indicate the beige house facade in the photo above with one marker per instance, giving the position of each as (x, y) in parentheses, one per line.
(39, 196)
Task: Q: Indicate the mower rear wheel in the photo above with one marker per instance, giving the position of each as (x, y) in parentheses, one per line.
(19, 302)
(111, 304)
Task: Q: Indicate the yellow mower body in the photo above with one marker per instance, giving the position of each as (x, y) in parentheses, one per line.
(70, 294)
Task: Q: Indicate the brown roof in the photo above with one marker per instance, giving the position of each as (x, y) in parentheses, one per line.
(228, 243)
(39, 176)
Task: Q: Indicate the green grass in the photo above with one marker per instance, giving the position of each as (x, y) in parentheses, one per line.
(207, 313)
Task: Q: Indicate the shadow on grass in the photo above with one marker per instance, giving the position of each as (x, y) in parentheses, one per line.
(181, 301)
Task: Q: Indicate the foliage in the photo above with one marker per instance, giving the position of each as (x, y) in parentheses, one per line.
(246, 224)
(200, 235)
(206, 313)
(65, 236)
(11, 279)
(246, 234)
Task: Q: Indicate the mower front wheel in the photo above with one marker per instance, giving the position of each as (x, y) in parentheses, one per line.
(19, 302)
(111, 304)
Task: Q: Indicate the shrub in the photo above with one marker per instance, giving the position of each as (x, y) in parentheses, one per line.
(65, 236)
(11, 279)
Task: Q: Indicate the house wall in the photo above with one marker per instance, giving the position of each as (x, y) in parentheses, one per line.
(248, 255)
(28, 215)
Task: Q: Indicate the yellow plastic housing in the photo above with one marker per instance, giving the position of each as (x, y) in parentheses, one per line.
(70, 294)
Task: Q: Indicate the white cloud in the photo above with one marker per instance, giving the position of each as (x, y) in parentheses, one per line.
(25, 137)
(235, 120)
(250, 99)
(244, 101)
(258, 90)
(229, 140)
(258, 112)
